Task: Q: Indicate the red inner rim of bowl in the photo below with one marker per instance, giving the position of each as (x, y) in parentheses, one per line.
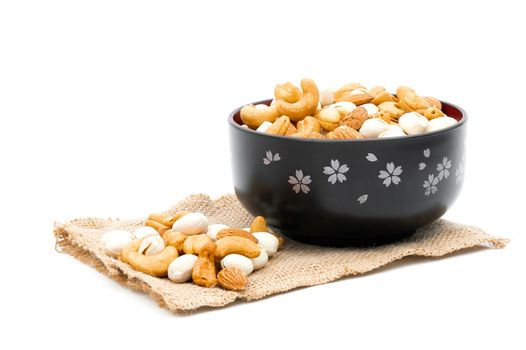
(448, 109)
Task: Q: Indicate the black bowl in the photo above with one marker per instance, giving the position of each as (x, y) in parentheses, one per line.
(348, 192)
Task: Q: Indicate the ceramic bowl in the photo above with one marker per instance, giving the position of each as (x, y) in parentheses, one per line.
(348, 192)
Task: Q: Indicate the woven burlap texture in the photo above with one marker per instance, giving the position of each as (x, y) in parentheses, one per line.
(297, 265)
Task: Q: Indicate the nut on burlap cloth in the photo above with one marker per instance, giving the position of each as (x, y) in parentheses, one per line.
(297, 265)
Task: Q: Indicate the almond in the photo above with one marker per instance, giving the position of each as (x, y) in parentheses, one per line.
(232, 278)
(344, 132)
(356, 118)
(291, 130)
(230, 231)
(346, 93)
(309, 135)
(315, 135)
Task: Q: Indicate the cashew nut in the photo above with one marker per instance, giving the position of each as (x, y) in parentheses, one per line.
(390, 111)
(199, 244)
(383, 96)
(308, 125)
(167, 219)
(305, 106)
(287, 92)
(259, 224)
(157, 226)
(155, 265)
(175, 239)
(255, 116)
(236, 245)
(280, 127)
(230, 231)
(204, 271)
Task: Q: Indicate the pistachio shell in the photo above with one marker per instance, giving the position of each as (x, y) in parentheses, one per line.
(413, 123)
(440, 123)
(373, 127)
(191, 224)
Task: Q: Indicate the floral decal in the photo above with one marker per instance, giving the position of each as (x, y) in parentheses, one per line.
(427, 152)
(391, 175)
(421, 166)
(459, 173)
(271, 158)
(362, 199)
(300, 182)
(336, 172)
(443, 168)
(430, 185)
(371, 157)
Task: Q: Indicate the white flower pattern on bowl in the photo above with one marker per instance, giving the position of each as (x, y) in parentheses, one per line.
(443, 168)
(300, 182)
(459, 173)
(430, 185)
(427, 152)
(371, 157)
(336, 172)
(271, 158)
(363, 198)
(392, 175)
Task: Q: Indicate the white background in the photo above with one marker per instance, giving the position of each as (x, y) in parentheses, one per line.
(118, 109)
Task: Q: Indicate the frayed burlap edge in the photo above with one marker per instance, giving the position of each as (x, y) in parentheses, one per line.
(298, 265)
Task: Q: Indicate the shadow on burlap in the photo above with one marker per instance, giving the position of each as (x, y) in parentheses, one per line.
(297, 265)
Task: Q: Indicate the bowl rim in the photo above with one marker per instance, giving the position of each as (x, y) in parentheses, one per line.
(447, 130)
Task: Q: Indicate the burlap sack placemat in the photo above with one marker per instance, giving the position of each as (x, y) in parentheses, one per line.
(297, 265)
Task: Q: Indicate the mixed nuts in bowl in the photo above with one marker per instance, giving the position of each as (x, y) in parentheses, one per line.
(349, 167)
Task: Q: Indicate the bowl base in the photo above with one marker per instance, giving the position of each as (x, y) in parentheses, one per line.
(361, 242)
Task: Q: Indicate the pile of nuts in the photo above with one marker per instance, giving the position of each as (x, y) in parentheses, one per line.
(185, 246)
(351, 112)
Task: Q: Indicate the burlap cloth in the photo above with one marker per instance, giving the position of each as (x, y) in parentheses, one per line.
(297, 265)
